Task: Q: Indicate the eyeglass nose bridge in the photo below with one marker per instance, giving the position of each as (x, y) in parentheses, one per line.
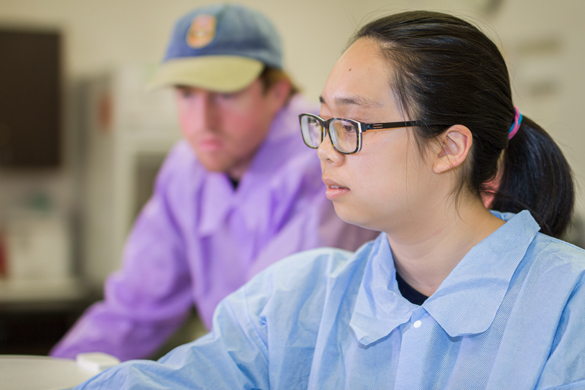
(325, 132)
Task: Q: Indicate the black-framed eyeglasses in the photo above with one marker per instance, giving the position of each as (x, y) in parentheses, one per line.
(345, 134)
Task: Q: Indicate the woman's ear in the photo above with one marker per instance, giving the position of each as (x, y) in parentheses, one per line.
(455, 144)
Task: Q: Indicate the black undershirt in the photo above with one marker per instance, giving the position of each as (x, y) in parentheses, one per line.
(410, 293)
(234, 182)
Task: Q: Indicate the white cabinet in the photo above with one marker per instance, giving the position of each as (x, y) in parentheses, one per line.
(129, 131)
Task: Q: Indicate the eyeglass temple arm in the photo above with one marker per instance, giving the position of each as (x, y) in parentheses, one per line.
(390, 125)
(394, 125)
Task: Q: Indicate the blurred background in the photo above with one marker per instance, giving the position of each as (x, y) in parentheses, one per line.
(81, 139)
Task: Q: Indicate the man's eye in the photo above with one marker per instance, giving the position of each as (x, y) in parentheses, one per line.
(183, 90)
(185, 93)
(226, 96)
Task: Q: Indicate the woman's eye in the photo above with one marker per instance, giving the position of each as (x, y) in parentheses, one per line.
(348, 128)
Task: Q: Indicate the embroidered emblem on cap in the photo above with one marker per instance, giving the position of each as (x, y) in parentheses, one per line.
(202, 31)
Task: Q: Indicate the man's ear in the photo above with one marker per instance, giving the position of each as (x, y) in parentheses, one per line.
(454, 146)
(278, 93)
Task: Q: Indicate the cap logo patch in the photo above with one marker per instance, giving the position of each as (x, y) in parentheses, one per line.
(202, 31)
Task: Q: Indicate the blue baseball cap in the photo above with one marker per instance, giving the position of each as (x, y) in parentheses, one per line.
(221, 48)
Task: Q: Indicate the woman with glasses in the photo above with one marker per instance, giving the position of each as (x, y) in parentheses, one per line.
(416, 121)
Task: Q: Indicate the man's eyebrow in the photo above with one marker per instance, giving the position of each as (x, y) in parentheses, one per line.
(354, 100)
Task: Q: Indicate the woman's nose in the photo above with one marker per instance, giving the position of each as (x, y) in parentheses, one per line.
(327, 154)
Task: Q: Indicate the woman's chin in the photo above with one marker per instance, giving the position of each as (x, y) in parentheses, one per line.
(353, 216)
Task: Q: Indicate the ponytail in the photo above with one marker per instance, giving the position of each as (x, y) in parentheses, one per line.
(536, 176)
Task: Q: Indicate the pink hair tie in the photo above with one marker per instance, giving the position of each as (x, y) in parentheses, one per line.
(516, 125)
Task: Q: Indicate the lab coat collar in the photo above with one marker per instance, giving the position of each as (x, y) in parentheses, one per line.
(379, 307)
(467, 301)
(216, 201)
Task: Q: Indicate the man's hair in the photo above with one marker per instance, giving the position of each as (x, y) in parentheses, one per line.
(271, 76)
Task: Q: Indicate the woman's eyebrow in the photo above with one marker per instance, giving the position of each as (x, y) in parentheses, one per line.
(354, 100)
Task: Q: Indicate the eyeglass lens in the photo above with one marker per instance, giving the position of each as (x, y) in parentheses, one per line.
(343, 133)
(312, 131)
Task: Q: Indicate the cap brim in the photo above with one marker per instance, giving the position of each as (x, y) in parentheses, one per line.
(214, 73)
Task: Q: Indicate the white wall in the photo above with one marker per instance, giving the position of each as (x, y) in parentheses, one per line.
(102, 34)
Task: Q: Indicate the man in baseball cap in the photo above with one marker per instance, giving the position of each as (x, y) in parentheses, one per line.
(240, 192)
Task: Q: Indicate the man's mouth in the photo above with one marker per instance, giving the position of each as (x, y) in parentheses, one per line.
(210, 145)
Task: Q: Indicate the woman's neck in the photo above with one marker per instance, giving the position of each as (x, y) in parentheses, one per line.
(426, 252)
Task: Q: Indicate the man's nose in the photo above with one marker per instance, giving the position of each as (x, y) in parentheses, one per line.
(204, 113)
(198, 113)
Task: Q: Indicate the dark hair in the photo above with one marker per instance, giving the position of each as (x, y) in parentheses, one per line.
(445, 70)
(271, 76)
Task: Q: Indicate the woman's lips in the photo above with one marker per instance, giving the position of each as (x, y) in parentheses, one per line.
(334, 190)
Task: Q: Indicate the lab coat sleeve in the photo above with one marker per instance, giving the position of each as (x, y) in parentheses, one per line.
(565, 366)
(149, 298)
(233, 356)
